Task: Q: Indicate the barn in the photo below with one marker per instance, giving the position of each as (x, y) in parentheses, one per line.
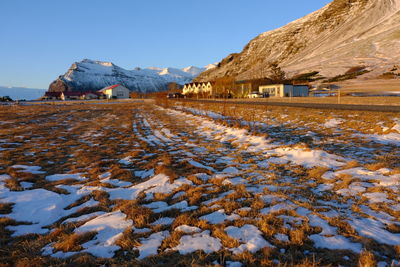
(115, 91)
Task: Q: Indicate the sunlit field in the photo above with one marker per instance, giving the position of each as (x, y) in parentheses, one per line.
(172, 183)
(346, 100)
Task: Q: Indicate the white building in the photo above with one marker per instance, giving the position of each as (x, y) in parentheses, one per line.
(115, 91)
(284, 90)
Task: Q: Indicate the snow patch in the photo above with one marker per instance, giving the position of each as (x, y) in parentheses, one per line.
(335, 242)
(200, 241)
(219, 216)
(188, 229)
(150, 245)
(250, 237)
(158, 184)
(332, 123)
(59, 177)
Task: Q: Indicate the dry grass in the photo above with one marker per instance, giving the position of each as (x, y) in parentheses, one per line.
(376, 166)
(351, 164)
(297, 237)
(367, 259)
(92, 139)
(258, 204)
(128, 240)
(343, 181)
(226, 240)
(194, 195)
(5, 208)
(353, 100)
(140, 216)
(73, 242)
(317, 172)
(121, 174)
(172, 241)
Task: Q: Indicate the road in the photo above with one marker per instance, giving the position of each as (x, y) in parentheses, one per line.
(380, 108)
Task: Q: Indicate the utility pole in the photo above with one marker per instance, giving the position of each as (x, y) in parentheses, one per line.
(224, 109)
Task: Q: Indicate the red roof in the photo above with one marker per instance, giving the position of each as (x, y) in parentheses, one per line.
(113, 86)
(110, 87)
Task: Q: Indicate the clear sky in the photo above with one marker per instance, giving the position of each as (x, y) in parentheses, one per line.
(40, 39)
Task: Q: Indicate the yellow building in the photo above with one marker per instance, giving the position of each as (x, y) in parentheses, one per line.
(198, 88)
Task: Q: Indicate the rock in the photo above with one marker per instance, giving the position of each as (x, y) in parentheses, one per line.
(58, 86)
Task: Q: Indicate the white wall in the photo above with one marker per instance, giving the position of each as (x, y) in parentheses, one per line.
(275, 90)
(285, 90)
(120, 92)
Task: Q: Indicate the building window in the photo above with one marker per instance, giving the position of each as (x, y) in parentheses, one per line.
(271, 91)
(120, 93)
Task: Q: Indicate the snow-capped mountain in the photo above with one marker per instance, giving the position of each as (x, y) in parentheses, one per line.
(90, 75)
(194, 71)
(19, 93)
(211, 66)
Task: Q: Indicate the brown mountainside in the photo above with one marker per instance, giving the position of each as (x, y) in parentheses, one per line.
(342, 35)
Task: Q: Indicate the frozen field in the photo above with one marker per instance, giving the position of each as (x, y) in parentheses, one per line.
(174, 184)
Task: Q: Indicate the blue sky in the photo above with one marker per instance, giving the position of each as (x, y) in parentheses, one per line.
(40, 39)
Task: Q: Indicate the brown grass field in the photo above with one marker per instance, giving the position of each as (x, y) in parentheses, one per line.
(349, 100)
(257, 166)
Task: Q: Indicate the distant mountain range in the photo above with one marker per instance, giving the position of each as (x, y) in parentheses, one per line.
(19, 93)
(343, 35)
(90, 75)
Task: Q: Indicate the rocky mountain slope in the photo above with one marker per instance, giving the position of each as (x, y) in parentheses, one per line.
(342, 35)
(89, 75)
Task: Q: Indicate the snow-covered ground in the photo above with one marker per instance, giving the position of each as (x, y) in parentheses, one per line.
(188, 182)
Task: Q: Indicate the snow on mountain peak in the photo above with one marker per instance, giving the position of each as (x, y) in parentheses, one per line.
(211, 66)
(195, 71)
(102, 63)
(91, 75)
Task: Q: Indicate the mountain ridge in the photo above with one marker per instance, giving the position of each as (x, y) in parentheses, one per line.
(341, 35)
(93, 75)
